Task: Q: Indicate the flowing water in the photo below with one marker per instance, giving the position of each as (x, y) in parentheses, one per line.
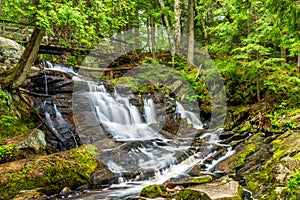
(142, 154)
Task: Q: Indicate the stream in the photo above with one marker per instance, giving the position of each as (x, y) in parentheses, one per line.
(132, 141)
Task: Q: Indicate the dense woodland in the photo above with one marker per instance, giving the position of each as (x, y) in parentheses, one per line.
(254, 44)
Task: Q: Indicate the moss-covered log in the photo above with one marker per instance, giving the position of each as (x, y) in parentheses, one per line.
(49, 174)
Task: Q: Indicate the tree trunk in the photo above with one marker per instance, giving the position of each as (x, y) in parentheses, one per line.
(191, 33)
(204, 32)
(137, 44)
(152, 36)
(186, 19)
(27, 58)
(177, 12)
(170, 38)
(283, 55)
(298, 63)
(258, 88)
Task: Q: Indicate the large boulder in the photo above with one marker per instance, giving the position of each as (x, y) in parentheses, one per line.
(10, 52)
(29, 144)
(222, 189)
(50, 174)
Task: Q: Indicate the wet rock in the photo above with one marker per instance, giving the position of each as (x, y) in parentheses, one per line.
(196, 171)
(221, 189)
(10, 52)
(187, 181)
(249, 155)
(29, 195)
(237, 136)
(171, 125)
(50, 173)
(225, 135)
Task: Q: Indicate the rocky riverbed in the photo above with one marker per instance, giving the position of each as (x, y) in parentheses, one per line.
(37, 160)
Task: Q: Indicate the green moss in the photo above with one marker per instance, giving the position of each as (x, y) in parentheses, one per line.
(264, 181)
(246, 127)
(187, 194)
(153, 191)
(293, 182)
(239, 159)
(124, 80)
(48, 174)
(6, 151)
(202, 179)
(253, 186)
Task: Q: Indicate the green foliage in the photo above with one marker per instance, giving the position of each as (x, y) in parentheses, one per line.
(6, 151)
(5, 98)
(284, 119)
(293, 181)
(150, 60)
(85, 22)
(7, 121)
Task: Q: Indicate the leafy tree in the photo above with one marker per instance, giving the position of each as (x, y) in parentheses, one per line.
(83, 21)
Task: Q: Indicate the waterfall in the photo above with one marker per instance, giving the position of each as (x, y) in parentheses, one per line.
(120, 118)
(57, 113)
(46, 81)
(140, 155)
(149, 109)
(59, 67)
(189, 116)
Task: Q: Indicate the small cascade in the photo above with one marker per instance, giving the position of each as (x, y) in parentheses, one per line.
(62, 123)
(189, 116)
(149, 109)
(61, 68)
(117, 116)
(57, 113)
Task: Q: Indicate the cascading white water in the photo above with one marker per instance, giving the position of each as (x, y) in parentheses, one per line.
(149, 109)
(140, 147)
(57, 113)
(60, 68)
(189, 116)
(121, 119)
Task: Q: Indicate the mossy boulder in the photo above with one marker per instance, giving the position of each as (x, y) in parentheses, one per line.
(188, 194)
(30, 144)
(247, 155)
(154, 191)
(279, 178)
(49, 174)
